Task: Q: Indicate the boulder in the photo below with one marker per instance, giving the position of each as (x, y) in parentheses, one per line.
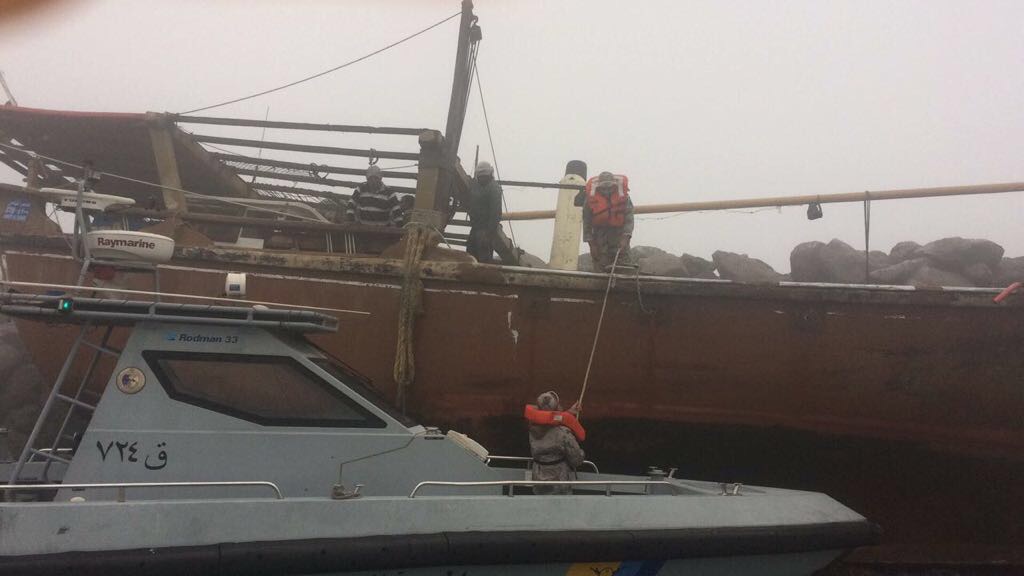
(897, 273)
(742, 268)
(931, 276)
(1010, 270)
(878, 260)
(657, 262)
(903, 251)
(531, 261)
(698, 267)
(959, 253)
(979, 274)
(836, 262)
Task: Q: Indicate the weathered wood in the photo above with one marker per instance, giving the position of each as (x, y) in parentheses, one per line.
(540, 185)
(264, 222)
(798, 200)
(234, 185)
(296, 125)
(245, 143)
(166, 164)
(311, 179)
(326, 169)
(304, 191)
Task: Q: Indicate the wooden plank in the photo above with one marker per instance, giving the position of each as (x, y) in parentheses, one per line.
(326, 169)
(245, 143)
(166, 164)
(311, 179)
(296, 125)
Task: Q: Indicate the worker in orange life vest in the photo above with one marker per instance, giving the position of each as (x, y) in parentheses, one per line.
(553, 443)
(607, 219)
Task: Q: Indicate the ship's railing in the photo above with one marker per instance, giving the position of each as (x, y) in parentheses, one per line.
(511, 484)
(122, 487)
(527, 460)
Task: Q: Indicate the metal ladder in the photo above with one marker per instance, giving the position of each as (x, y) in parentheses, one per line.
(59, 448)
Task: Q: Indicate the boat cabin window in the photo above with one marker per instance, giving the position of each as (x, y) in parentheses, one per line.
(267, 390)
(362, 386)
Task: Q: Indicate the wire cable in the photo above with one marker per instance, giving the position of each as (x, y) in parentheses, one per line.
(490, 140)
(325, 72)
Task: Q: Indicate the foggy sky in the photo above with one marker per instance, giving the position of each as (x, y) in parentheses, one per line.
(693, 100)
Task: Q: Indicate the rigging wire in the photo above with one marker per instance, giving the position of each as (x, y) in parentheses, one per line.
(490, 140)
(326, 72)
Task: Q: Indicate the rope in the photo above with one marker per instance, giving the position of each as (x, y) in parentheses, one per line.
(417, 238)
(490, 140)
(597, 334)
(326, 72)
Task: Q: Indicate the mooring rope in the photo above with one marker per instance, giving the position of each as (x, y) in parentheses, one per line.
(600, 321)
(417, 238)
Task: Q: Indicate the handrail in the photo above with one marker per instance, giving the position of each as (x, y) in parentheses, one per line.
(121, 486)
(528, 459)
(511, 483)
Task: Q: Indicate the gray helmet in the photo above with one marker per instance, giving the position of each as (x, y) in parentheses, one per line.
(373, 171)
(548, 401)
(484, 169)
(605, 179)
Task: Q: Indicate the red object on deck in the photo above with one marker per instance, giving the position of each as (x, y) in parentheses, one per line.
(1009, 290)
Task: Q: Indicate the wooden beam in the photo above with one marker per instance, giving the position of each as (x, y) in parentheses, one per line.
(306, 148)
(326, 169)
(296, 125)
(541, 185)
(898, 194)
(311, 179)
(264, 222)
(234, 185)
(305, 191)
(166, 163)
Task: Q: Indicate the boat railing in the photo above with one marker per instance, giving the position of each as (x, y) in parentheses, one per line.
(122, 487)
(511, 484)
(527, 460)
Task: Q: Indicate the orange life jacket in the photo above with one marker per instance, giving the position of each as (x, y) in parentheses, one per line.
(608, 211)
(554, 418)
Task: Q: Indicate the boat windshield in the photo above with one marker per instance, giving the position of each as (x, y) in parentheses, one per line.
(360, 385)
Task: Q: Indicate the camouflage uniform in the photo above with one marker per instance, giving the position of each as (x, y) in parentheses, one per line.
(555, 451)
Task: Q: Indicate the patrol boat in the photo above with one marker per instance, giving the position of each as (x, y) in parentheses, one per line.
(186, 466)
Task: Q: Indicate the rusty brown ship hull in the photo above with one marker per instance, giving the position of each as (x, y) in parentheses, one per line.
(905, 403)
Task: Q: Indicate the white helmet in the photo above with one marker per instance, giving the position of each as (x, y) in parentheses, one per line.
(484, 169)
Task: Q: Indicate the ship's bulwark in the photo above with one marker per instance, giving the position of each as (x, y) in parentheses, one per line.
(904, 405)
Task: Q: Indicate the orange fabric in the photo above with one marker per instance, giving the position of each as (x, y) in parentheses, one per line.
(553, 418)
(608, 211)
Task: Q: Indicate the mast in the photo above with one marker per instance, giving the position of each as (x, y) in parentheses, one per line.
(465, 60)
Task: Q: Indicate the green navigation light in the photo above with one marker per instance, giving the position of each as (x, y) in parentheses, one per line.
(65, 305)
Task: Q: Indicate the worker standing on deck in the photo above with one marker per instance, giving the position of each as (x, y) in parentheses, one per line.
(484, 214)
(607, 218)
(372, 201)
(554, 446)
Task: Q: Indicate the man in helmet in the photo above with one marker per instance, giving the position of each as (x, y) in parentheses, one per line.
(373, 203)
(556, 453)
(485, 234)
(607, 219)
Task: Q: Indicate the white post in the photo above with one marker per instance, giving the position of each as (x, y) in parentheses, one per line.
(565, 243)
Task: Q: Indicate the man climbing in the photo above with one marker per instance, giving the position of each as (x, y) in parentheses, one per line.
(607, 219)
(372, 201)
(554, 442)
(484, 213)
